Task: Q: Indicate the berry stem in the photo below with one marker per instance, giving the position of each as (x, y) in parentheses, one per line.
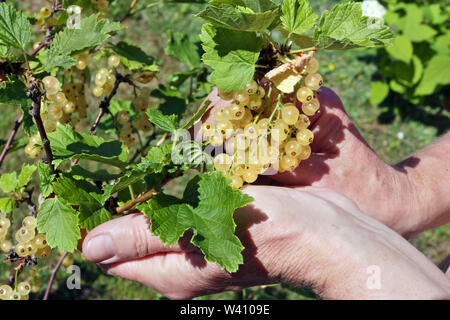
(130, 205)
(303, 50)
(52, 277)
(8, 144)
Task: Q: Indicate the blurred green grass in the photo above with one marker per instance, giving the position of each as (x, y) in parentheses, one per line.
(348, 73)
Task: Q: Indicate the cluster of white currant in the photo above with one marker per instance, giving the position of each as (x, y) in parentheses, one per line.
(259, 132)
(28, 242)
(105, 79)
(21, 292)
(43, 16)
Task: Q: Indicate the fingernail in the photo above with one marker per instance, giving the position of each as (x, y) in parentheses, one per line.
(100, 249)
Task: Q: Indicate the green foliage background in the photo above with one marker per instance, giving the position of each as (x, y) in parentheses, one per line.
(396, 126)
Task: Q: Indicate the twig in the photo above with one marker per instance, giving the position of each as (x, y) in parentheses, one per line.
(128, 14)
(133, 203)
(8, 144)
(104, 105)
(35, 95)
(52, 277)
(145, 146)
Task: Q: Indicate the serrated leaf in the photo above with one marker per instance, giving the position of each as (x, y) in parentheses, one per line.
(68, 144)
(157, 158)
(344, 27)
(7, 205)
(378, 92)
(59, 222)
(71, 41)
(402, 49)
(164, 122)
(437, 72)
(183, 47)
(13, 92)
(211, 221)
(298, 17)
(231, 54)
(241, 15)
(87, 198)
(8, 182)
(15, 29)
(25, 175)
(133, 57)
(45, 179)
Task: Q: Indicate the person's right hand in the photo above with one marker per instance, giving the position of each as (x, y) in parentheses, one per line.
(341, 160)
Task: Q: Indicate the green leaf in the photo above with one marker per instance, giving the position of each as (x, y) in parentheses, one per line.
(154, 162)
(68, 144)
(133, 57)
(418, 69)
(211, 220)
(402, 49)
(15, 29)
(25, 175)
(231, 54)
(14, 92)
(298, 17)
(28, 125)
(7, 205)
(378, 92)
(80, 173)
(344, 27)
(157, 158)
(166, 123)
(45, 179)
(59, 222)
(434, 14)
(18, 144)
(71, 41)
(437, 72)
(183, 47)
(8, 182)
(419, 33)
(241, 15)
(87, 198)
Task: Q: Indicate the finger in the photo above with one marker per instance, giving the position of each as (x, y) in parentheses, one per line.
(127, 238)
(177, 275)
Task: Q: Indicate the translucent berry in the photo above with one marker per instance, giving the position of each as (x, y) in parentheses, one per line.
(29, 222)
(113, 61)
(314, 81)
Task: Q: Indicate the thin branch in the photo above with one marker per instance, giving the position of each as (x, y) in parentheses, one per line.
(8, 144)
(130, 205)
(128, 14)
(52, 277)
(104, 105)
(35, 95)
(144, 147)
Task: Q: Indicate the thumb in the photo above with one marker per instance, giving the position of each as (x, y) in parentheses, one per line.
(127, 238)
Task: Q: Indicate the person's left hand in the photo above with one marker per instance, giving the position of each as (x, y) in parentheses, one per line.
(315, 237)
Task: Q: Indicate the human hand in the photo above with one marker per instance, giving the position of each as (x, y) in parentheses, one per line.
(315, 237)
(342, 160)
